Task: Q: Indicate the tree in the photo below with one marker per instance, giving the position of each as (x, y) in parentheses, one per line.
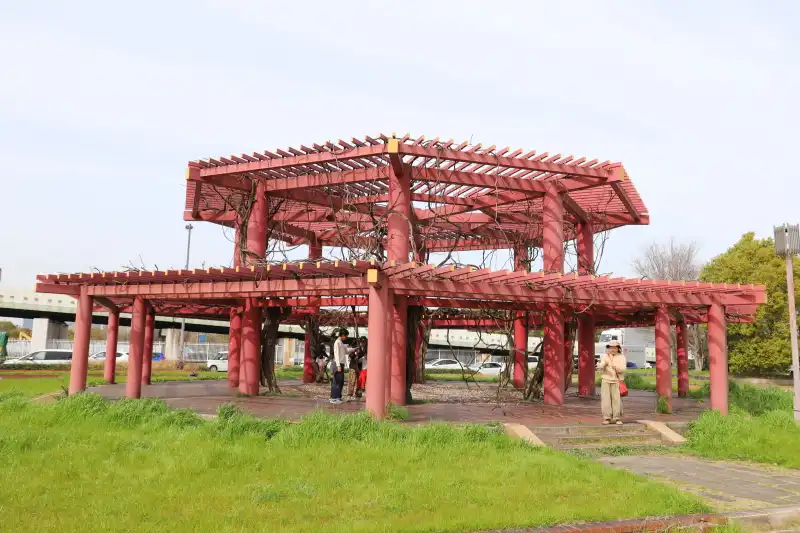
(676, 262)
(763, 346)
(12, 330)
(670, 261)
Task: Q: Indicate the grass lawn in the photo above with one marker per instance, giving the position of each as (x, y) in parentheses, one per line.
(37, 386)
(34, 386)
(760, 427)
(83, 463)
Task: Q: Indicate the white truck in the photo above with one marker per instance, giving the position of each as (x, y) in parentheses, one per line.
(638, 345)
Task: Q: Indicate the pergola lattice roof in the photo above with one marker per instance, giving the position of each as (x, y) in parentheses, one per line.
(464, 196)
(336, 283)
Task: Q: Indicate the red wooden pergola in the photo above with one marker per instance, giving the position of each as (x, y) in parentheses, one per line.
(392, 201)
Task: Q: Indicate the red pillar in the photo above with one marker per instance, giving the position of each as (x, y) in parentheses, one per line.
(234, 348)
(133, 387)
(147, 348)
(250, 369)
(250, 358)
(663, 356)
(520, 324)
(683, 358)
(314, 254)
(553, 231)
(553, 257)
(257, 225)
(80, 345)
(554, 356)
(586, 364)
(399, 347)
(585, 246)
(718, 358)
(112, 333)
(398, 248)
(378, 349)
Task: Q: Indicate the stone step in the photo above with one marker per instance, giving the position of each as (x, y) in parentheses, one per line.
(678, 427)
(626, 429)
(604, 440)
(603, 445)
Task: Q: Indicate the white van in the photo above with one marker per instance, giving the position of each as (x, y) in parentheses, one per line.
(218, 362)
(43, 357)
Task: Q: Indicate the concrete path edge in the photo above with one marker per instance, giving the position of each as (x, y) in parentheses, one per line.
(666, 433)
(519, 431)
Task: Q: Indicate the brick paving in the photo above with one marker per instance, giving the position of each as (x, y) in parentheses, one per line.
(726, 486)
(206, 396)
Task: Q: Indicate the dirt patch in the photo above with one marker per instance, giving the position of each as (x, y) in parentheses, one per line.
(437, 392)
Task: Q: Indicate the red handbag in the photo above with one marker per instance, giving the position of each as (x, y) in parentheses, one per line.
(623, 389)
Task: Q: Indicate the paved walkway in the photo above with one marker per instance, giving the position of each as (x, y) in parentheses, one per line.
(206, 396)
(726, 486)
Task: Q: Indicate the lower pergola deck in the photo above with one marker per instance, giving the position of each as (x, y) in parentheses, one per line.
(472, 296)
(205, 397)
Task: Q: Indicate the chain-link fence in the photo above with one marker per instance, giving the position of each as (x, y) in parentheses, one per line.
(192, 353)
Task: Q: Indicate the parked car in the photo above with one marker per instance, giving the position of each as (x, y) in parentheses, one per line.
(43, 357)
(218, 362)
(122, 357)
(488, 368)
(533, 362)
(444, 364)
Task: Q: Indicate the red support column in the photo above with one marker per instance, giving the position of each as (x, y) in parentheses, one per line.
(133, 387)
(399, 342)
(112, 334)
(250, 369)
(147, 349)
(234, 348)
(683, 358)
(553, 231)
(250, 352)
(80, 345)
(257, 225)
(585, 245)
(554, 356)
(314, 253)
(520, 324)
(586, 364)
(663, 356)
(380, 308)
(398, 248)
(718, 358)
(553, 255)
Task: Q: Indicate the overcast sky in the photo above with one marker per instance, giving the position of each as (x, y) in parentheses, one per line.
(102, 105)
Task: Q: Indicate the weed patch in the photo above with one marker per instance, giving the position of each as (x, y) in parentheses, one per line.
(138, 465)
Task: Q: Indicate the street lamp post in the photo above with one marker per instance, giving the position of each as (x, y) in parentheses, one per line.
(787, 244)
(188, 228)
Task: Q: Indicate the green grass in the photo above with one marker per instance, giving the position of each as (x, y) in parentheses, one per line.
(760, 427)
(459, 376)
(638, 380)
(34, 386)
(136, 465)
(45, 385)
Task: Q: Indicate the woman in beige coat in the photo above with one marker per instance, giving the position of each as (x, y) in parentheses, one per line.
(612, 368)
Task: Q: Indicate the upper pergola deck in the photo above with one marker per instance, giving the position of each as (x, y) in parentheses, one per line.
(464, 197)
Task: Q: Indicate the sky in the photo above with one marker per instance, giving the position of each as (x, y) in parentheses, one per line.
(102, 104)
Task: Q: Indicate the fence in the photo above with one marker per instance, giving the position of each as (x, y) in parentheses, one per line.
(192, 352)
